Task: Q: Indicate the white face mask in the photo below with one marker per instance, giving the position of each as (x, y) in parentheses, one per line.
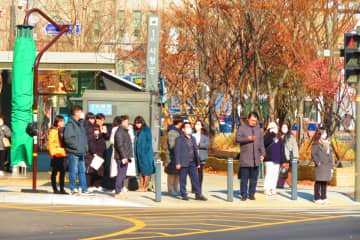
(284, 130)
(188, 131)
(198, 127)
(324, 136)
(82, 115)
(1, 122)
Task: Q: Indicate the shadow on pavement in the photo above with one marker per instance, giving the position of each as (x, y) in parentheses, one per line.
(348, 195)
(304, 195)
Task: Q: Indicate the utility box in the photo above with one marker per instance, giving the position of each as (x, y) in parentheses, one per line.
(116, 103)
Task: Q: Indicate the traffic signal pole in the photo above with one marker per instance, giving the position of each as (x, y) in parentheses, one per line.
(357, 147)
(351, 56)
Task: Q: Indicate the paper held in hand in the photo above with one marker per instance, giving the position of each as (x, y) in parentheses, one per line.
(96, 162)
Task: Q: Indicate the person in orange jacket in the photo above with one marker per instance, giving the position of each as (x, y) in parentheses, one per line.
(58, 154)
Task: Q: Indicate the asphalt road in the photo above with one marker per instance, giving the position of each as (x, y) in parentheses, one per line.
(91, 223)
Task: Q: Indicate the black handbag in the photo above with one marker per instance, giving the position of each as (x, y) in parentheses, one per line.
(284, 172)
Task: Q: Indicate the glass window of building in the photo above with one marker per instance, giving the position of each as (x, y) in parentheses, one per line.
(137, 23)
(120, 67)
(96, 24)
(120, 26)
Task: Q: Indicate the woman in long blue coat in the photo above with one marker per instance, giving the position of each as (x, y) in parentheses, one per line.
(144, 154)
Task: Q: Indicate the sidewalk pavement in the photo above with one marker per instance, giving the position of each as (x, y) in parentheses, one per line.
(215, 188)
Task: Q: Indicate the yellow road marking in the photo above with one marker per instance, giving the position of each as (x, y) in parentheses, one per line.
(137, 224)
(205, 212)
(205, 219)
(214, 216)
(190, 229)
(159, 233)
(141, 225)
(242, 227)
(191, 223)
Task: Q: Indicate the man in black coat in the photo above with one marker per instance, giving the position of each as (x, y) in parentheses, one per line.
(187, 161)
(252, 152)
(123, 154)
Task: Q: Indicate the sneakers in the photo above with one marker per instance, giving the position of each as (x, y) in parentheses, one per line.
(325, 201)
(272, 191)
(185, 197)
(87, 192)
(2, 173)
(267, 193)
(74, 191)
(252, 197)
(99, 189)
(243, 197)
(91, 189)
(124, 189)
(319, 201)
(200, 198)
(173, 193)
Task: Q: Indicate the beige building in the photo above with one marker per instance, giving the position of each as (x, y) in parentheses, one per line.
(115, 27)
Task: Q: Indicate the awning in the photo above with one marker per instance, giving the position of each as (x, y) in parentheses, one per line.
(76, 61)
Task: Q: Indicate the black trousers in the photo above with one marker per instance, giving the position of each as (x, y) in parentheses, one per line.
(94, 180)
(191, 170)
(320, 190)
(120, 178)
(248, 173)
(2, 160)
(58, 165)
(201, 176)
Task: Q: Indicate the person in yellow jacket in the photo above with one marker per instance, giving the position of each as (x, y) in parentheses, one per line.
(57, 153)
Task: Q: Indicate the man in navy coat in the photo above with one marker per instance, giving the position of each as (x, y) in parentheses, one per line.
(187, 161)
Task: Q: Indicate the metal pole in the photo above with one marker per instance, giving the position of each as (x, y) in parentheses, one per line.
(357, 148)
(158, 180)
(63, 29)
(230, 180)
(294, 178)
(12, 25)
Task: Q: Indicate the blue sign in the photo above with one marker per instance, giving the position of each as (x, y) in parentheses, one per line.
(103, 108)
(51, 29)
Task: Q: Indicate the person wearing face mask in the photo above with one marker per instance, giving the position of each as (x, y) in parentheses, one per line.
(251, 140)
(76, 147)
(95, 148)
(187, 161)
(274, 156)
(291, 150)
(124, 153)
(202, 142)
(322, 156)
(58, 155)
(5, 132)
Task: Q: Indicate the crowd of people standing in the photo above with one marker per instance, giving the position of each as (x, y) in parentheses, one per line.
(276, 149)
(83, 142)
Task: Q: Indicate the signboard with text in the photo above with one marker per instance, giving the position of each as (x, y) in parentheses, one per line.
(51, 29)
(152, 54)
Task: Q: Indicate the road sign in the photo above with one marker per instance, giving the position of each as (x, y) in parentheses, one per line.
(152, 55)
(51, 29)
